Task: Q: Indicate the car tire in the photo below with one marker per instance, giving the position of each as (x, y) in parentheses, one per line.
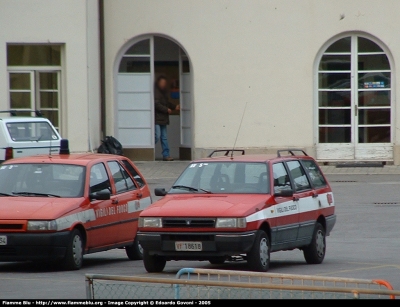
(258, 258)
(217, 260)
(315, 252)
(74, 256)
(153, 263)
(134, 251)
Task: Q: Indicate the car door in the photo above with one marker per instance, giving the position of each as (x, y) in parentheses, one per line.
(103, 230)
(304, 198)
(286, 221)
(144, 196)
(323, 197)
(126, 202)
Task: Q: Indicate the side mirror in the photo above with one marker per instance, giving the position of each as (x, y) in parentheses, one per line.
(284, 193)
(101, 195)
(160, 192)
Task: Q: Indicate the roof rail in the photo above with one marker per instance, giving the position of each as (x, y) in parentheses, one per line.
(38, 113)
(291, 151)
(227, 151)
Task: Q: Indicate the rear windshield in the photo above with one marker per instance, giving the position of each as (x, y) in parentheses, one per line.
(31, 131)
(224, 178)
(42, 180)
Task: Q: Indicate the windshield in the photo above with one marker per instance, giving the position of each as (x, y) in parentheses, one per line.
(223, 178)
(42, 180)
(31, 131)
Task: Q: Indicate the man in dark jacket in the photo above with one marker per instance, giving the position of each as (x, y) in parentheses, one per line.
(163, 108)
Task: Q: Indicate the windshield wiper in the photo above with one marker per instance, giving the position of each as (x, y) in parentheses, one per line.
(35, 194)
(5, 194)
(190, 188)
(205, 191)
(185, 187)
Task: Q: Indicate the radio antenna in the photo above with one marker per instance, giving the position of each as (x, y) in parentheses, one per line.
(50, 144)
(50, 147)
(240, 125)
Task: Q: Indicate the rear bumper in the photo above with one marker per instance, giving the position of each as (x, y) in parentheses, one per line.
(213, 244)
(28, 246)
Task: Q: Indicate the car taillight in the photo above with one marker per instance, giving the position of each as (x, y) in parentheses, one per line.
(9, 153)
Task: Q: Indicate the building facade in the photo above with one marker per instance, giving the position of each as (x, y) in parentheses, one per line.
(49, 61)
(259, 75)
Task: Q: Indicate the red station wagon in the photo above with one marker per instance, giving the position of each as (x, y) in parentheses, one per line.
(247, 206)
(60, 207)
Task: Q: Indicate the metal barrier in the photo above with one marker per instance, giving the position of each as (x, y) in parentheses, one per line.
(113, 287)
(218, 284)
(291, 279)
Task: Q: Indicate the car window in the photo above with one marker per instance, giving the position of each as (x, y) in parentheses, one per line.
(224, 177)
(315, 173)
(134, 173)
(299, 176)
(123, 182)
(33, 179)
(281, 178)
(99, 180)
(31, 131)
(129, 182)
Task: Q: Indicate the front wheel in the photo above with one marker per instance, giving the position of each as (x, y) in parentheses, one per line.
(315, 252)
(134, 251)
(153, 263)
(258, 258)
(74, 256)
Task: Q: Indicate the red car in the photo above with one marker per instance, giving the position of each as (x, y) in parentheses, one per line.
(247, 206)
(60, 207)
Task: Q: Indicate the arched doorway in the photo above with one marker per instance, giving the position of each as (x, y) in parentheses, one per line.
(354, 101)
(140, 64)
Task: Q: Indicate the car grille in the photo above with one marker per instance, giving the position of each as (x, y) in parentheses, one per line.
(7, 251)
(188, 222)
(187, 237)
(11, 227)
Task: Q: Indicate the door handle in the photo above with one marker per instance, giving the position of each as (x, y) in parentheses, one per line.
(296, 198)
(115, 201)
(315, 195)
(139, 195)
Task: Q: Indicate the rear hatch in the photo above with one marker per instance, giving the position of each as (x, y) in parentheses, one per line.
(32, 137)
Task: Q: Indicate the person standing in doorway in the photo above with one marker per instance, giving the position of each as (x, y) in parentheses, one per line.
(162, 109)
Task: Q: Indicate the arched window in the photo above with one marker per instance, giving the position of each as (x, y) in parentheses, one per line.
(354, 100)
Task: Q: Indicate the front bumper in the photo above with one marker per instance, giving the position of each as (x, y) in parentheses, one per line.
(213, 244)
(34, 246)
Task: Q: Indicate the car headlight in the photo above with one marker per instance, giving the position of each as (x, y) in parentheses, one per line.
(227, 222)
(150, 222)
(41, 226)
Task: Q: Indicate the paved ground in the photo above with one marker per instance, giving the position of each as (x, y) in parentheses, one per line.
(384, 170)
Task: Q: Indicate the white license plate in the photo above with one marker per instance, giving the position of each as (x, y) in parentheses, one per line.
(3, 240)
(188, 246)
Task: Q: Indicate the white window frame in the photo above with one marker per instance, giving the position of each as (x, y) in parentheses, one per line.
(35, 90)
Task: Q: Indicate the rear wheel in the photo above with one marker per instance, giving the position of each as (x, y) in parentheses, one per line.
(74, 256)
(315, 252)
(153, 263)
(258, 258)
(134, 251)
